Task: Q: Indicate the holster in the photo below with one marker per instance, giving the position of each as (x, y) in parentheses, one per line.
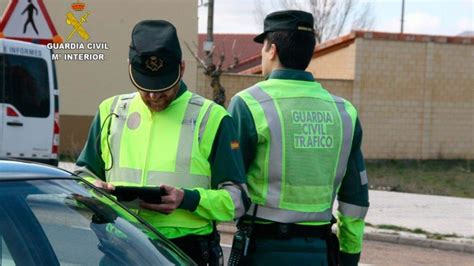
(332, 244)
(214, 250)
(205, 250)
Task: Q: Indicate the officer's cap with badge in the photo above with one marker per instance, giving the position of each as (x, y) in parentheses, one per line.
(154, 56)
(287, 20)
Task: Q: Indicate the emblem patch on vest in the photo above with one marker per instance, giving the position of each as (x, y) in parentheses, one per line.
(134, 120)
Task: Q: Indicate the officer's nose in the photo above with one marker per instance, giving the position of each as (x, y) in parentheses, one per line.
(154, 95)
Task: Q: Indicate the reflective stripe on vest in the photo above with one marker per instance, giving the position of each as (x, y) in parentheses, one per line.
(202, 127)
(276, 153)
(352, 210)
(363, 178)
(271, 209)
(185, 146)
(346, 144)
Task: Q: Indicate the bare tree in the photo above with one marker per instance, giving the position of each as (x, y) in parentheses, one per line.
(211, 69)
(331, 17)
(215, 70)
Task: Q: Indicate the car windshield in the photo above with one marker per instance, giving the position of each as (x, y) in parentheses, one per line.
(66, 222)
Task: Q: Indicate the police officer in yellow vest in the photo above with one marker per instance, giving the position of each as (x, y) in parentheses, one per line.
(301, 150)
(166, 136)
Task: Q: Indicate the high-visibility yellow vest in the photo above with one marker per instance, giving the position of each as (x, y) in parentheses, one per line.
(172, 147)
(304, 141)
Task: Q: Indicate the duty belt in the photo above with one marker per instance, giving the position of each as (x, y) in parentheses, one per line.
(280, 230)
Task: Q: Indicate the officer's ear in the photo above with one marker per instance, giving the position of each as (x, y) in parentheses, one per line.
(272, 52)
(183, 67)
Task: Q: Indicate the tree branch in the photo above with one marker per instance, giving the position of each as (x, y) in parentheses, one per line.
(235, 58)
(199, 60)
(331, 17)
(221, 58)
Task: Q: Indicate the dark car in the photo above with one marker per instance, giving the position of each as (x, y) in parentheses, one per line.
(51, 217)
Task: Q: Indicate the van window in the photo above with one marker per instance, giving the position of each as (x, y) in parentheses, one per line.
(26, 85)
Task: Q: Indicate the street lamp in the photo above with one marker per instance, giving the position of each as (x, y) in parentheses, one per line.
(403, 16)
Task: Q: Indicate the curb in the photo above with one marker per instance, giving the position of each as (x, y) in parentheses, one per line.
(395, 239)
(421, 242)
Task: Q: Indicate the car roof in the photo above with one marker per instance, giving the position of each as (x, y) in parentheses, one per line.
(14, 169)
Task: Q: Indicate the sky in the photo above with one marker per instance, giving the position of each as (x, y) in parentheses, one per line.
(434, 17)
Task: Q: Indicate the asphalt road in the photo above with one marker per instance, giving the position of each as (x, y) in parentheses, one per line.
(380, 253)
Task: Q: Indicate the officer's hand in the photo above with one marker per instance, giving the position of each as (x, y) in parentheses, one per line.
(103, 185)
(169, 202)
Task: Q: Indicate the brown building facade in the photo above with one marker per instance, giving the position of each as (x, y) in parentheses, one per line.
(84, 84)
(414, 93)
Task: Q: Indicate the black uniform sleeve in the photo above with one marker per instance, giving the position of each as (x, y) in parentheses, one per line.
(89, 161)
(354, 194)
(226, 157)
(246, 131)
(354, 189)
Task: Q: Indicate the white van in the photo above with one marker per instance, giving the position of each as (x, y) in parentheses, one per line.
(29, 111)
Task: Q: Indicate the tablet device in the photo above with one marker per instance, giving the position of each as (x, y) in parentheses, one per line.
(147, 194)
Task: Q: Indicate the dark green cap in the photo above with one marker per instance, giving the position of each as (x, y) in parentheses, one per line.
(287, 20)
(154, 56)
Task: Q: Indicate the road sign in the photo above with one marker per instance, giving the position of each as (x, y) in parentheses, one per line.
(28, 20)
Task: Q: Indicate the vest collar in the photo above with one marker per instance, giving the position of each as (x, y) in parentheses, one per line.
(294, 74)
(182, 89)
